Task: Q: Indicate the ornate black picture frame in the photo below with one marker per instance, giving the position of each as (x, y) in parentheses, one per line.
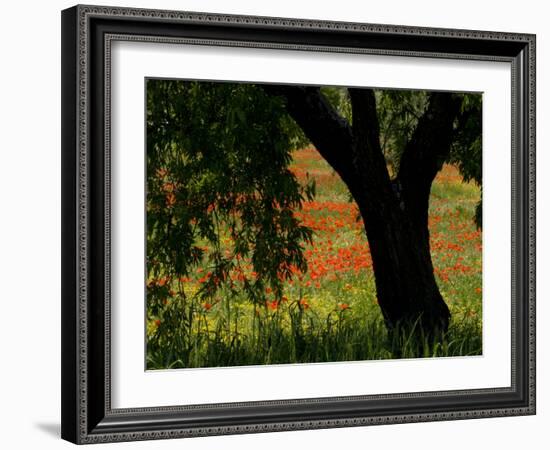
(87, 34)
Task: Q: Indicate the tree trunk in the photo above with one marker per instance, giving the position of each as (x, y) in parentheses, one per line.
(407, 291)
(395, 212)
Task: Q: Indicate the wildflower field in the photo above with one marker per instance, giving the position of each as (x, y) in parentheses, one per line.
(330, 312)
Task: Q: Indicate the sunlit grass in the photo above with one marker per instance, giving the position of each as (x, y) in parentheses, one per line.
(331, 312)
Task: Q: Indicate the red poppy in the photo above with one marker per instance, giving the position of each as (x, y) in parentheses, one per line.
(168, 187)
(170, 199)
(273, 305)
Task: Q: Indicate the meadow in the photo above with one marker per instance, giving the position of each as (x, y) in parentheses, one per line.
(329, 313)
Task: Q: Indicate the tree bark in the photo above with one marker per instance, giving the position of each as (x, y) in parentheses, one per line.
(395, 212)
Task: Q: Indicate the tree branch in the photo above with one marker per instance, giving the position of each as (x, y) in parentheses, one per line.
(368, 156)
(325, 128)
(426, 152)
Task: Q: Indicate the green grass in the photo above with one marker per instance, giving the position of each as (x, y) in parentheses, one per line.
(331, 314)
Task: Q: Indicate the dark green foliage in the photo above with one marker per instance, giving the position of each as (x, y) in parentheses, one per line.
(466, 152)
(217, 159)
(338, 97)
(398, 114)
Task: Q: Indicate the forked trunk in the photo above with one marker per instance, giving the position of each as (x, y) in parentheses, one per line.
(395, 212)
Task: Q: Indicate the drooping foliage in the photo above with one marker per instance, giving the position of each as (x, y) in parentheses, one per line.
(217, 159)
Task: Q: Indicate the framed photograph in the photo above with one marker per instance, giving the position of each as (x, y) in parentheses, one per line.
(280, 224)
